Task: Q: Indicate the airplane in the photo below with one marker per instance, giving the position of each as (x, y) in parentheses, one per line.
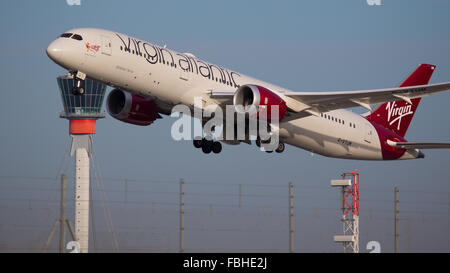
(149, 80)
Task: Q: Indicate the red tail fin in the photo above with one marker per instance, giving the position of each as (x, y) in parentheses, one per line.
(397, 115)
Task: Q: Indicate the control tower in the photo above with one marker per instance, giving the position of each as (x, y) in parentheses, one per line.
(82, 111)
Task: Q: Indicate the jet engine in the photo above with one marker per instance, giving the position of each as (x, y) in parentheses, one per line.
(131, 108)
(262, 99)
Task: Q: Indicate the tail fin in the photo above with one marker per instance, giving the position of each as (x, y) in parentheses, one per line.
(397, 115)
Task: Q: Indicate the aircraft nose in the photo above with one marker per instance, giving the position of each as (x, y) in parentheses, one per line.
(54, 51)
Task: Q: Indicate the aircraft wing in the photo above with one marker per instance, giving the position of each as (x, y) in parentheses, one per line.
(327, 101)
(419, 145)
(302, 104)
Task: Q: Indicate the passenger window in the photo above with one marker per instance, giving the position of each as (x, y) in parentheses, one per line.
(77, 37)
(66, 35)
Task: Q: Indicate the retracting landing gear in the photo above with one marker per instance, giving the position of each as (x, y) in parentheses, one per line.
(208, 146)
(78, 77)
(280, 148)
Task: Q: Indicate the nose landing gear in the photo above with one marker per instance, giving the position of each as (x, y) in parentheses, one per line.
(78, 77)
(77, 89)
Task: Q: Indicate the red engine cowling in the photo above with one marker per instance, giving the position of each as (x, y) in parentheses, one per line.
(131, 108)
(261, 98)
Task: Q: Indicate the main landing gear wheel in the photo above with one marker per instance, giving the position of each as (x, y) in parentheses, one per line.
(197, 143)
(206, 149)
(216, 147)
(208, 146)
(258, 142)
(280, 147)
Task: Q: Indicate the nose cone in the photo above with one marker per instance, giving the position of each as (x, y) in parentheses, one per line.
(54, 51)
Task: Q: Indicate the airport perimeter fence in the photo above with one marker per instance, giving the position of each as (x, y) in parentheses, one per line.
(143, 215)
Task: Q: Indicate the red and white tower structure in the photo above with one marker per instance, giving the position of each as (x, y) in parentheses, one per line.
(82, 111)
(350, 211)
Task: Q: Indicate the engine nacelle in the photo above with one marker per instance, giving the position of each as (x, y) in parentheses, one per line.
(261, 98)
(131, 108)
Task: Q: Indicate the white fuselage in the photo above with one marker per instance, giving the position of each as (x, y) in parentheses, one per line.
(172, 78)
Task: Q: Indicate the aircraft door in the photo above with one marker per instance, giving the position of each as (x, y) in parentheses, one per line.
(369, 134)
(106, 45)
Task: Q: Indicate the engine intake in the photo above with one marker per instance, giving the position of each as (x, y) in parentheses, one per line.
(131, 108)
(261, 98)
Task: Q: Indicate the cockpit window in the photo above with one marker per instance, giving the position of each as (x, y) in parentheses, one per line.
(66, 35)
(77, 37)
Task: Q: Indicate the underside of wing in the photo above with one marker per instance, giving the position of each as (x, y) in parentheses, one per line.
(223, 97)
(419, 145)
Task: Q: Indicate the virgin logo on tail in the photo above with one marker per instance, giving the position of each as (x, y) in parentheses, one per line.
(401, 111)
(397, 113)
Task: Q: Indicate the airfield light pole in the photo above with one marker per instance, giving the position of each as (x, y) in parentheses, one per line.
(396, 235)
(291, 216)
(350, 211)
(62, 233)
(82, 111)
(62, 221)
(181, 215)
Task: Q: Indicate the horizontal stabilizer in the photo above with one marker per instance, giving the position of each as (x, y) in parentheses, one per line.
(419, 145)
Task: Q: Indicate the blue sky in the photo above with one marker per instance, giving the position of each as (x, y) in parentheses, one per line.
(300, 45)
